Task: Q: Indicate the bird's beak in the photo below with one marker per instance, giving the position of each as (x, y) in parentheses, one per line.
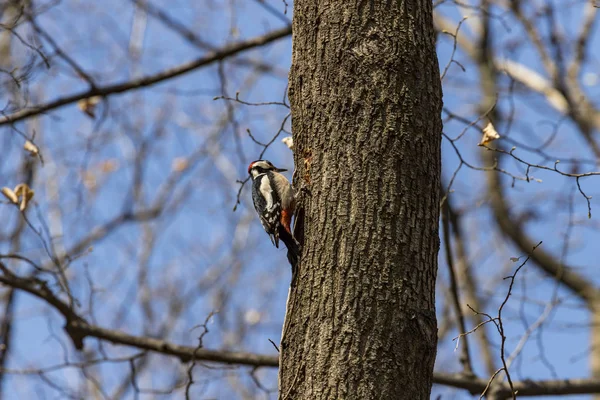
(280, 169)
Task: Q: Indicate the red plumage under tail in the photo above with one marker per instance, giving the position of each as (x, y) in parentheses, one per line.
(292, 246)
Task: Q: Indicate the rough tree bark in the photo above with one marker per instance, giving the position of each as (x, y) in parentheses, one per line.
(366, 100)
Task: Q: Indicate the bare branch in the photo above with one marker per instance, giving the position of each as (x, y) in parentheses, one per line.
(150, 80)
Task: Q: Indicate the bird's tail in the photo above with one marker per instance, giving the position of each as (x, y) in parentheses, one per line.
(292, 246)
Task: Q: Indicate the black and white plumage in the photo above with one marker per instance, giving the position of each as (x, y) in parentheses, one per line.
(273, 199)
(268, 205)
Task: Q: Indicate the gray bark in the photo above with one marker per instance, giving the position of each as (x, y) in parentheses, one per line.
(366, 100)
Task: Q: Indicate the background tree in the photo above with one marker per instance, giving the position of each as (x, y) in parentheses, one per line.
(130, 241)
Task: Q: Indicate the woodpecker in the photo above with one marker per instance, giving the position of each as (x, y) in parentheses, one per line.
(274, 202)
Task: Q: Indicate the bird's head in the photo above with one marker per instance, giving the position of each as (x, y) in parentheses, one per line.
(262, 166)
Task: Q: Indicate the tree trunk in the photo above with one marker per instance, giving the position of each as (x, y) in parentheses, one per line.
(366, 101)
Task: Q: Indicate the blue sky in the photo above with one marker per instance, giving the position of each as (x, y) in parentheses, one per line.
(218, 259)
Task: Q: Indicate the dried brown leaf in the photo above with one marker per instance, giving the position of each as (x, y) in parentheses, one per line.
(10, 195)
(25, 194)
(289, 142)
(179, 164)
(88, 105)
(489, 134)
(109, 166)
(31, 148)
